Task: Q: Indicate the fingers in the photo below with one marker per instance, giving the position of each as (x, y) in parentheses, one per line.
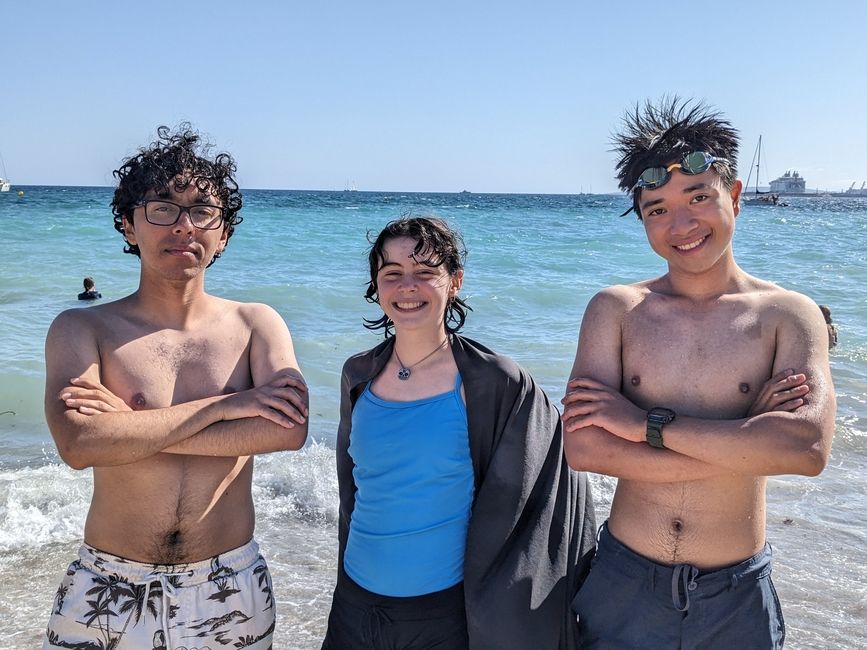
(290, 379)
(781, 392)
(95, 406)
(289, 409)
(584, 395)
(84, 382)
(790, 405)
(586, 382)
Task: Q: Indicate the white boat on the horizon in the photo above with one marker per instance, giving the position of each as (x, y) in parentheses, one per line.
(5, 185)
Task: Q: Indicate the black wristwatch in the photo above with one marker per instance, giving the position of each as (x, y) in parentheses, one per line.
(657, 418)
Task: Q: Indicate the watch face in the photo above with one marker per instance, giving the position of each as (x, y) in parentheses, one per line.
(661, 415)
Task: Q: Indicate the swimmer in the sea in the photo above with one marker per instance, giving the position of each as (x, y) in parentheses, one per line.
(90, 292)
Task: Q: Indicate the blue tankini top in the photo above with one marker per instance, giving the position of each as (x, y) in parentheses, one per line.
(414, 490)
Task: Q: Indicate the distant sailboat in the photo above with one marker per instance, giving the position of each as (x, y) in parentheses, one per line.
(768, 197)
(5, 185)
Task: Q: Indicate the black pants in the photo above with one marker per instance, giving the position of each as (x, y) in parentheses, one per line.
(362, 620)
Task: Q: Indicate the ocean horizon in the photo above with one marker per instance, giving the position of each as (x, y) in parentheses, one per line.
(534, 262)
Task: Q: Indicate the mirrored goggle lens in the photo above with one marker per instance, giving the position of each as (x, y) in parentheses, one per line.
(696, 162)
(653, 177)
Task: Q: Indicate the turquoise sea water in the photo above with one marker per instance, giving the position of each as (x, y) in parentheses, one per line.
(534, 262)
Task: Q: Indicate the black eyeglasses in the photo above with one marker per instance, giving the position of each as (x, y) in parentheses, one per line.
(693, 163)
(166, 213)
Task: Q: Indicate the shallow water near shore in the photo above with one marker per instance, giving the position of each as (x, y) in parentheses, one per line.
(534, 262)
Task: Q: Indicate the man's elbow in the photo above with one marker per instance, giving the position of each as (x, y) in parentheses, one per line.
(814, 460)
(71, 453)
(296, 438)
(579, 452)
(812, 457)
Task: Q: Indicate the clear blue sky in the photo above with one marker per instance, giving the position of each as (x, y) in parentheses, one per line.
(436, 96)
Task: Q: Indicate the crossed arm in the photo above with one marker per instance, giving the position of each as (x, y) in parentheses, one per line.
(788, 429)
(94, 427)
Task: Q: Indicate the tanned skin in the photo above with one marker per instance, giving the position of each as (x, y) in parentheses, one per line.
(167, 394)
(743, 362)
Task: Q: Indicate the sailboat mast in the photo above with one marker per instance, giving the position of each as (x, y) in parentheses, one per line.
(758, 164)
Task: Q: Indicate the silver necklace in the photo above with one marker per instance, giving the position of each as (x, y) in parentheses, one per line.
(405, 371)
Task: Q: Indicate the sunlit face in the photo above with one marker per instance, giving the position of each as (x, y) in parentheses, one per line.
(181, 249)
(690, 221)
(414, 295)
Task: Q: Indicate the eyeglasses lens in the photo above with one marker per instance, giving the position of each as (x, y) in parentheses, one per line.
(165, 213)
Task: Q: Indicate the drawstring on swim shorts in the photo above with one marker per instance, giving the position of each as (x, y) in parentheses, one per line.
(682, 579)
(168, 591)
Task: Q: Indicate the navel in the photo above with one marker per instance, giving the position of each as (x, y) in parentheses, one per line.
(676, 527)
(744, 387)
(635, 381)
(138, 402)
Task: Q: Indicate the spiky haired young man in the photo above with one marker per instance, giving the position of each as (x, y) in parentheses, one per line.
(691, 388)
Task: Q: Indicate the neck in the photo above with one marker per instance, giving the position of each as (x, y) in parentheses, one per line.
(724, 277)
(174, 304)
(415, 345)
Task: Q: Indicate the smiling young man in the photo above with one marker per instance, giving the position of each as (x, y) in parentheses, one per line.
(167, 394)
(684, 388)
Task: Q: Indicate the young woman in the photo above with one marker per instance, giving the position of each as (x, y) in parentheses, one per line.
(460, 524)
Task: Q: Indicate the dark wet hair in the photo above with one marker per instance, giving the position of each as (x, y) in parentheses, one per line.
(442, 245)
(654, 135)
(88, 283)
(174, 162)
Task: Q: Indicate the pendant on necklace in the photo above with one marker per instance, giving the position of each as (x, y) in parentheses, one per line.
(404, 373)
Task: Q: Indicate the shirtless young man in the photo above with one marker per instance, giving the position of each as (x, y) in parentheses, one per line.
(167, 394)
(683, 388)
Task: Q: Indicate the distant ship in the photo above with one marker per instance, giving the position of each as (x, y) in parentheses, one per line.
(789, 183)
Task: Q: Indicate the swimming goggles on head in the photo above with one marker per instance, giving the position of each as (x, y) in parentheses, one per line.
(693, 163)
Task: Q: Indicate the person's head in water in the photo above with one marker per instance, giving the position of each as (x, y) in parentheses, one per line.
(437, 246)
(176, 162)
(692, 136)
(89, 284)
(826, 312)
(832, 329)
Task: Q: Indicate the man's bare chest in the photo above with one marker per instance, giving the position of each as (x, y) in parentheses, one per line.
(162, 368)
(706, 366)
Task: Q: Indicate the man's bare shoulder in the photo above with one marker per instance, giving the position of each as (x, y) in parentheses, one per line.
(618, 299)
(255, 314)
(775, 301)
(93, 318)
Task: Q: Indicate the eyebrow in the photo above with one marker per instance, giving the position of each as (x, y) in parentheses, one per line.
(686, 190)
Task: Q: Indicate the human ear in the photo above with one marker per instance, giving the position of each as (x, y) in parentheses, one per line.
(129, 231)
(735, 192)
(457, 282)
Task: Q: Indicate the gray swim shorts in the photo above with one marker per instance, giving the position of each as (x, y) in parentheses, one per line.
(631, 602)
(107, 601)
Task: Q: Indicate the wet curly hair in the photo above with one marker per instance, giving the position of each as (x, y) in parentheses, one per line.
(654, 135)
(441, 246)
(172, 163)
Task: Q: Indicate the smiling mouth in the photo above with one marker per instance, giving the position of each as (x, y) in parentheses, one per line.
(408, 305)
(691, 245)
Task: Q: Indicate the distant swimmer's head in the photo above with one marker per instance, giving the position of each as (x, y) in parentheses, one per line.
(671, 136)
(826, 312)
(89, 284)
(437, 246)
(171, 165)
